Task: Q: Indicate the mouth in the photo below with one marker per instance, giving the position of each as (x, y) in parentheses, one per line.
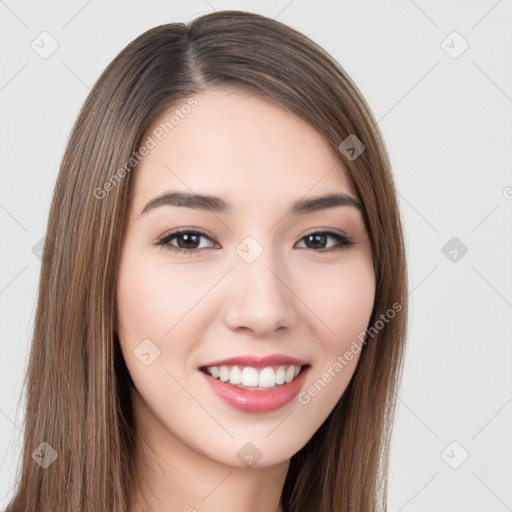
(256, 390)
(255, 379)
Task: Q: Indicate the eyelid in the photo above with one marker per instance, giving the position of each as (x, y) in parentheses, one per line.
(325, 230)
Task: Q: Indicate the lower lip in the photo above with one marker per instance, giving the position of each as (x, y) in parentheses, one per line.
(257, 401)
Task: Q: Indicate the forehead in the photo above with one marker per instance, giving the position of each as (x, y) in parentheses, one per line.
(240, 147)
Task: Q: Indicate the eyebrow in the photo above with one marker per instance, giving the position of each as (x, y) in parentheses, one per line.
(218, 205)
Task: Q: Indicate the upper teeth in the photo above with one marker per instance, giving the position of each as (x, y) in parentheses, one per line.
(248, 376)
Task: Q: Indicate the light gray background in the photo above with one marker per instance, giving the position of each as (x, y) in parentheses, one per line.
(447, 123)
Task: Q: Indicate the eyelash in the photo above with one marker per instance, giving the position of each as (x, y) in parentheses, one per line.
(344, 242)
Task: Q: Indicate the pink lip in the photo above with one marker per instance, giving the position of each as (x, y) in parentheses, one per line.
(257, 401)
(258, 362)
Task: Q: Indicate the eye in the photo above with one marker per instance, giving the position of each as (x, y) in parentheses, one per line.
(320, 238)
(189, 241)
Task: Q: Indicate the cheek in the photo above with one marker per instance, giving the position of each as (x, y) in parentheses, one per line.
(344, 306)
(351, 311)
(165, 304)
(154, 310)
(152, 300)
(343, 301)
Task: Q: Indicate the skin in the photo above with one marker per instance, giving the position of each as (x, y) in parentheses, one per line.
(291, 300)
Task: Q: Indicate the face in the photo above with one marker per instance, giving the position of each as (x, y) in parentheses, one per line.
(254, 279)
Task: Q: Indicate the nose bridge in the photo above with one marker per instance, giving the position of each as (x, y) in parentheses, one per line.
(259, 297)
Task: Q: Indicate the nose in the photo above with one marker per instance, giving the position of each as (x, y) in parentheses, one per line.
(260, 298)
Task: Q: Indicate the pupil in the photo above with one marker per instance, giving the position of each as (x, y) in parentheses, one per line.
(189, 238)
(318, 239)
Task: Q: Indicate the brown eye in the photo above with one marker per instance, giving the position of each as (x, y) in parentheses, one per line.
(188, 241)
(318, 240)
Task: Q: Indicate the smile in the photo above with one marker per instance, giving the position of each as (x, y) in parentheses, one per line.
(261, 379)
(255, 398)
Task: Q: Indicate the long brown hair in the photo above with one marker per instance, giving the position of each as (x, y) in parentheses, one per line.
(78, 399)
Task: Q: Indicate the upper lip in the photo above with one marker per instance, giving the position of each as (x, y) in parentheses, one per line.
(258, 362)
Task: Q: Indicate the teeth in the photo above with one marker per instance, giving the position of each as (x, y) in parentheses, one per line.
(224, 373)
(249, 377)
(267, 377)
(280, 375)
(235, 375)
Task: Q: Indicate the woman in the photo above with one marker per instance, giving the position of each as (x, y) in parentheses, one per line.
(222, 308)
